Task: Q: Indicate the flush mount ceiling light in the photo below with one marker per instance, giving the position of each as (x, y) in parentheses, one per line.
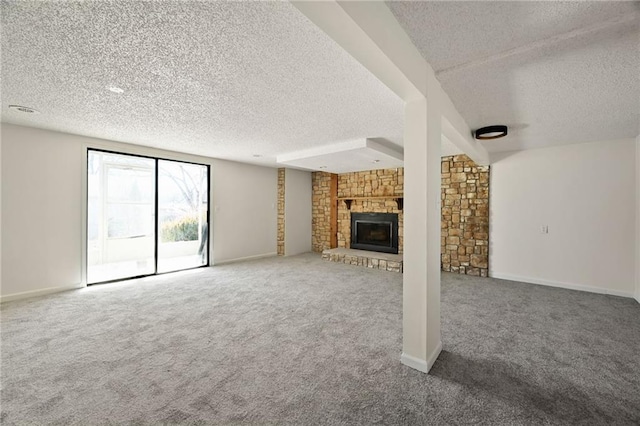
(115, 89)
(491, 132)
(23, 109)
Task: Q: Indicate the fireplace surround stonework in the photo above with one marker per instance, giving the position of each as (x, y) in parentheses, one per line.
(321, 220)
(464, 245)
(280, 236)
(382, 186)
(465, 210)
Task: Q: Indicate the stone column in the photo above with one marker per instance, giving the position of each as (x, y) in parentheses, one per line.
(280, 237)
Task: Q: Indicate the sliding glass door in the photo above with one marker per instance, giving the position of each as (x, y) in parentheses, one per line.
(144, 216)
(183, 209)
(120, 216)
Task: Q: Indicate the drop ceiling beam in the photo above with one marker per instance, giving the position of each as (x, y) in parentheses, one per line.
(544, 43)
(354, 35)
(373, 36)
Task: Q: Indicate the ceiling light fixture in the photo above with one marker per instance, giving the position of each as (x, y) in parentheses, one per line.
(375, 161)
(115, 89)
(322, 167)
(21, 108)
(491, 132)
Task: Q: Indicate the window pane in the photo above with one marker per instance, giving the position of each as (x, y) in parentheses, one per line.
(182, 209)
(129, 220)
(120, 216)
(130, 185)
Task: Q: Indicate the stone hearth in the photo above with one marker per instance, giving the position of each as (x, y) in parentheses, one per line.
(367, 259)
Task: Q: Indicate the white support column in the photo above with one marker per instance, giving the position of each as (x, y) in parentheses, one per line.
(421, 342)
(638, 218)
(372, 35)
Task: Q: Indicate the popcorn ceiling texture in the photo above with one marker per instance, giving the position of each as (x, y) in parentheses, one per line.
(556, 72)
(496, 27)
(465, 216)
(220, 79)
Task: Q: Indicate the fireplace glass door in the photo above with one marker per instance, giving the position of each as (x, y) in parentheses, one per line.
(375, 232)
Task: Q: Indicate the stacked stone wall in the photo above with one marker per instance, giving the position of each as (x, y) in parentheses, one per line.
(370, 261)
(281, 173)
(465, 210)
(321, 211)
(465, 216)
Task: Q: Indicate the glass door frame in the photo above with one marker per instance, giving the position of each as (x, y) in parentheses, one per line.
(156, 218)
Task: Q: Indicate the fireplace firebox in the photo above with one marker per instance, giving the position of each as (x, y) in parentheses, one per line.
(375, 232)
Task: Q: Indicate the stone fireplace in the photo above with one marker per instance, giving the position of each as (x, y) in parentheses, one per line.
(337, 197)
(340, 199)
(465, 214)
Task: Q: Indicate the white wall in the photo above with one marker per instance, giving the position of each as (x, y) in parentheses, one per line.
(0, 210)
(43, 208)
(41, 212)
(297, 212)
(244, 211)
(586, 196)
(638, 218)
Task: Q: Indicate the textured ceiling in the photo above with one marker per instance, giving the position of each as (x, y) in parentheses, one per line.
(554, 72)
(238, 79)
(223, 79)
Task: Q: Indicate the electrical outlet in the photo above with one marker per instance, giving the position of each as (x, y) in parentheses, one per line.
(544, 229)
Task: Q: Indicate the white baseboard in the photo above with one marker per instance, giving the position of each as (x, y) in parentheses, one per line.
(41, 292)
(559, 284)
(243, 259)
(420, 364)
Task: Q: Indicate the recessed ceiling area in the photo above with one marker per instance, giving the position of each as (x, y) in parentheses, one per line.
(244, 81)
(554, 72)
(351, 156)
